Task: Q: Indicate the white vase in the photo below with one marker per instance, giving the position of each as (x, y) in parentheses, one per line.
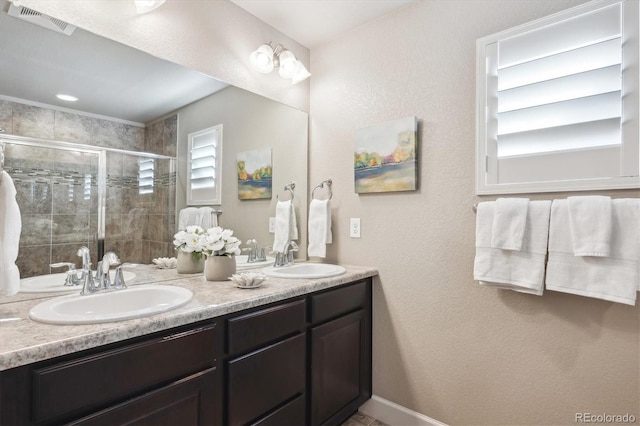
(219, 268)
(187, 263)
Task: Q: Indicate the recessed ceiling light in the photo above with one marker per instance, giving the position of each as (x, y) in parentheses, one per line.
(67, 98)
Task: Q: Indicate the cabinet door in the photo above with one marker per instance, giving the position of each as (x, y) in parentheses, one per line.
(340, 368)
(190, 401)
(261, 381)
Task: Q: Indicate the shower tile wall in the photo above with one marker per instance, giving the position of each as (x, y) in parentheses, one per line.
(137, 225)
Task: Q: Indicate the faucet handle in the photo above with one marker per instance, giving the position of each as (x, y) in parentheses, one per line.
(118, 281)
(69, 265)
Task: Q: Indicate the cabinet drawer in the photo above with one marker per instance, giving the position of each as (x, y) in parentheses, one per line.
(292, 414)
(85, 384)
(263, 380)
(185, 402)
(258, 328)
(337, 302)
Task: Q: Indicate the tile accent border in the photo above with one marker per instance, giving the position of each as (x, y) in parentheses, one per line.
(395, 414)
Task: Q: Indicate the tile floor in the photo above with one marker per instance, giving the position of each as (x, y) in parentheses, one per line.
(360, 419)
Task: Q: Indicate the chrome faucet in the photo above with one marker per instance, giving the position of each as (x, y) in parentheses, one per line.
(102, 274)
(255, 253)
(102, 280)
(286, 257)
(72, 273)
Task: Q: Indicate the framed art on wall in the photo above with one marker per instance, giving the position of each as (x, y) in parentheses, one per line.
(254, 174)
(385, 157)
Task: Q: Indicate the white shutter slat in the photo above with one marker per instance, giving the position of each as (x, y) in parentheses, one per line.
(592, 108)
(592, 57)
(575, 86)
(569, 34)
(564, 138)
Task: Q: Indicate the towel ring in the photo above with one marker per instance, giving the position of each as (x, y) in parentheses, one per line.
(327, 182)
(288, 187)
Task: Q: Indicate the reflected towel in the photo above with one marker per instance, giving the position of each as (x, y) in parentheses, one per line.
(614, 278)
(590, 224)
(286, 227)
(523, 270)
(10, 229)
(509, 220)
(188, 217)
(319, 227)
(207, 218)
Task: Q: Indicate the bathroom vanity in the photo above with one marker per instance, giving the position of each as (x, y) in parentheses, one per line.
(292, 352)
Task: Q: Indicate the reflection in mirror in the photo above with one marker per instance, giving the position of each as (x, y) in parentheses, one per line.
(129, 102)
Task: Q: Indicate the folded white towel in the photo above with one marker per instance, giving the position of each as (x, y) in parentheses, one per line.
(319, 227)
(188, 217)
(509, 222)
(590, 224)
(614, 278)
(521, 270)
(10, 229)
(286, 227)
(207, 218)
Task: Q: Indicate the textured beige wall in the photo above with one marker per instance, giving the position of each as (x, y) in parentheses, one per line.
(211, 36)
(444, 346)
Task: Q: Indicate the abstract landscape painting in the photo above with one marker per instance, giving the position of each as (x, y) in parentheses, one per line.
(385, 157)
(254, 174)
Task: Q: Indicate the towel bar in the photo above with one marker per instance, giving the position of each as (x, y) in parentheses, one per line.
(327, 182)
(288, 187)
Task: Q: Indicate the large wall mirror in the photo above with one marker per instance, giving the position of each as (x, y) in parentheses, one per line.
(132, 101)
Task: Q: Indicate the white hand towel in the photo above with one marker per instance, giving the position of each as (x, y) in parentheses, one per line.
(614, 278)
(187, 217)
(10, 229)
(286, 225)
(207, 218)
(522, 270)
(509, 220)
(319, 227)
(590, 224)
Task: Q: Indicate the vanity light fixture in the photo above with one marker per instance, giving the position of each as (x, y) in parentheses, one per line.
(267, 57)
(144, 6)
(67, 98)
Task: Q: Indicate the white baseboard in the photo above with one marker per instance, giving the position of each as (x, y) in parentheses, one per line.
(396, 415)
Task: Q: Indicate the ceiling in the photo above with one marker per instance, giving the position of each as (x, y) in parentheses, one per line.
(37, 63)
(314, 22)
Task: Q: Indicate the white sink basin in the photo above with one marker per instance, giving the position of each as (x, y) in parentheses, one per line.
(116, 305)
(241, 262)
(54, 283)
(306, 270)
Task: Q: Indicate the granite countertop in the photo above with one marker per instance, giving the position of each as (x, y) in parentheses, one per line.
(24, 341)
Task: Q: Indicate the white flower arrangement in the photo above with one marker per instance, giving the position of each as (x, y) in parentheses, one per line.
(190, 241)
(220, 242)
(212, 242)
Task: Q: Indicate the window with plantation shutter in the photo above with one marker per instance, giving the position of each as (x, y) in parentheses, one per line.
(203, 174)
(558, 102)
(146, 175)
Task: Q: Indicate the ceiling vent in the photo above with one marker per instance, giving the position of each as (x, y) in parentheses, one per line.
(40, 19)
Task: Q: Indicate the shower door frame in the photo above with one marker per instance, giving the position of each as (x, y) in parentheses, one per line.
(102, 166)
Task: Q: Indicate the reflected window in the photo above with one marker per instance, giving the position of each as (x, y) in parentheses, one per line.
(146, 175)
(204, 166)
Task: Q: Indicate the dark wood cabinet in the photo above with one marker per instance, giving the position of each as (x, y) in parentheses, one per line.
(186, 402)
(340, 353)
(148, 380)
(305, 360)
(262, 384)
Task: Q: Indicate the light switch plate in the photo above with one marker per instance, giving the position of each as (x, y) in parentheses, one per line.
(354, 227)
